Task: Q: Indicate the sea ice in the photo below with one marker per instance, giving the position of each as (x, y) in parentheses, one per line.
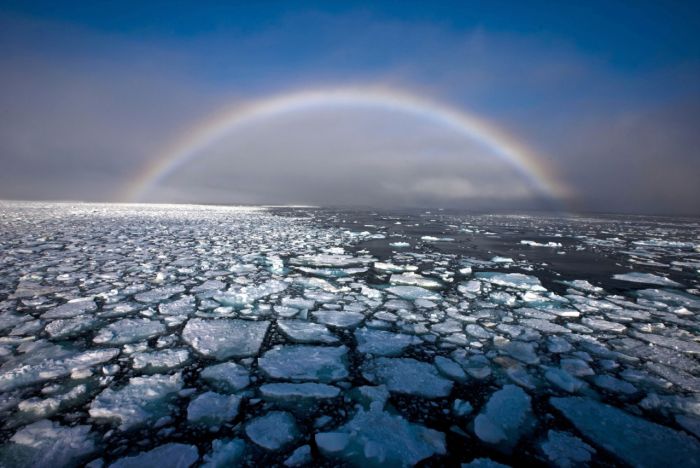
(301, 456)
(129, 331)
(273, 431)
(299, 362)
(634, 440)
(225, 338)
(298, 392)
(183, 306)
(414, 279)
(383, 343)
(408, 376)
(48, 444)
(143, 400)
(339, 318)
(66, 328)
(565, 450)
(171, 455)
(540, 244)
(48, 363)
(159, 294)
(226, 377)
(213, 409)
(224, 453)
(412, 293)
(506, 417)
(301, 331)
(512, 280)
(160, 361)
(647, 278)
(247, 295)
(377, 438)
(71, 309)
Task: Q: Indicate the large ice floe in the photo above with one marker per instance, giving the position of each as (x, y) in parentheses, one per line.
(155, 335)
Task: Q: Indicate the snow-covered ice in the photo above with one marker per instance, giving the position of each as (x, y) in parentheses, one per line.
(135, 335)
(406, 375)
(225, 338)
(300, 362)
(273, 431)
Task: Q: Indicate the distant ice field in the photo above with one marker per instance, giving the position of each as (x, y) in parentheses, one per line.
(183, 335)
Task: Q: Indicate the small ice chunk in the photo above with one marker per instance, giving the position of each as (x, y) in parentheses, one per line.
(225, 338)
(408, 376)
(247, 295)
(183, 306)
(339, 318)
(483, 463)
(143, 400)
(683, 346)
(299, 362)
(273, 431)
(576, 367)
(603, 325)
(612, 384)
(129, 330)
(383, 343)
(675, 298)
(557, 344)
(461, 408)
(301, 331)
(549, 244)
(378, 438)
(412, 293)
(545, 326)
(298, 303)
(209, 285)
(437, 239)
(66, 328)
(506, 417)
(520, 350)
(565, 450)
(213, 409)
(512, 280)
(647, 278)
(296, 392)
(48, 363)
(160, 361)
(499, 259)
(301, 456)
(159, 294)
(224, 453)
(399, 245)
(226, 377)
(47, 444)
(564, 380)
(171, 455)
(71, 309)
(414, 279)
(331, 260)
(450, 369)
(636, 441)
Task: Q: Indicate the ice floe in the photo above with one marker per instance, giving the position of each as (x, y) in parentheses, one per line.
(225, 338)
(300, 362)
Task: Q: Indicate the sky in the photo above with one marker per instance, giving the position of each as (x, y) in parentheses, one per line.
(604, 97)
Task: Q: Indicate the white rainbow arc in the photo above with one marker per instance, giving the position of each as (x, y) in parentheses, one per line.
(206, 133)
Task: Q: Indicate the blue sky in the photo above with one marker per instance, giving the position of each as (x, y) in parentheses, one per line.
(605, 91)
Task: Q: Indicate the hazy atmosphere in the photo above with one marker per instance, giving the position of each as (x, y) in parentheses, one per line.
(342, 234)
(604, 100)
